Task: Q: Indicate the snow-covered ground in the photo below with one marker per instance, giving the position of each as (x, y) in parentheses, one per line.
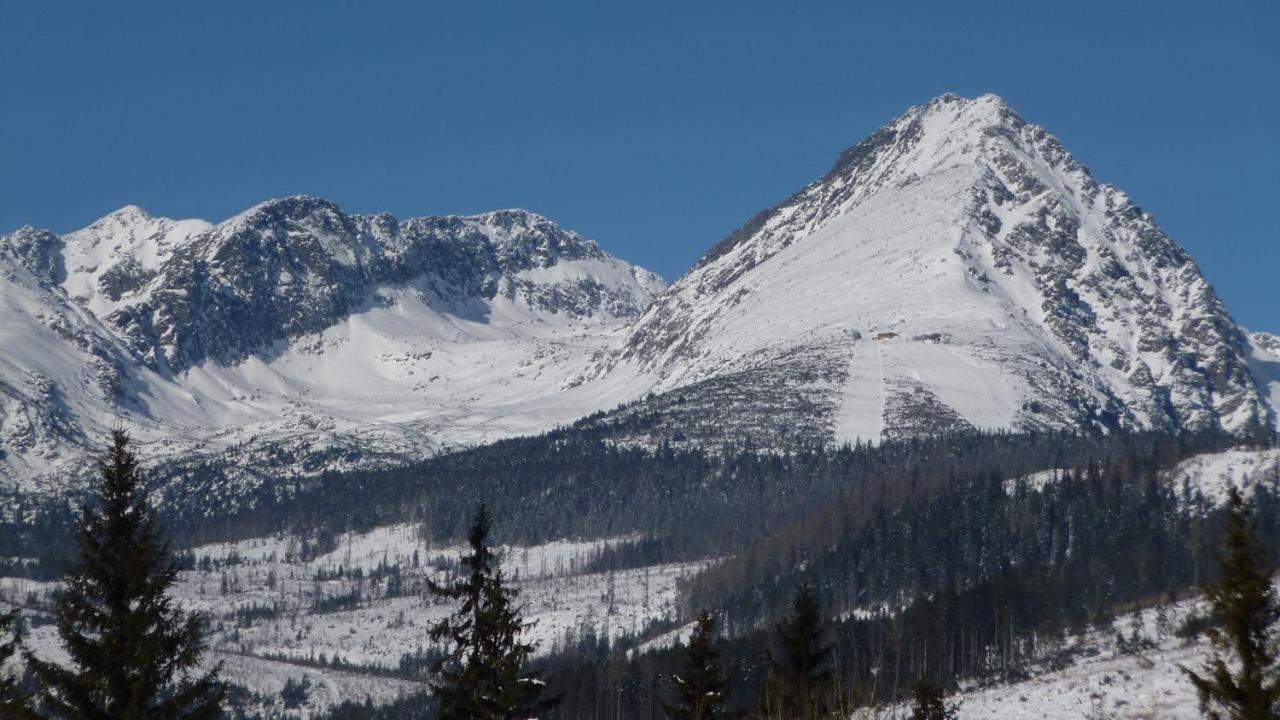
(1214, 473)
(262, 653)
(285, 632)
(1105, 682)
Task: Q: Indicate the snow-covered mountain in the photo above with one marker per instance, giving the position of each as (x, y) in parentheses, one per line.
(300, 334)
(956, 269)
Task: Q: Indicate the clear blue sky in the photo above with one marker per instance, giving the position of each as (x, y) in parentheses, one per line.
(654, 128)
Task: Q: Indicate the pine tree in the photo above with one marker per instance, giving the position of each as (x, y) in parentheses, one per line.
(1246, 686)
(799, 677)
(701, 688)
(928, 703)
(483, 675)
(14, 703)
(133, 651)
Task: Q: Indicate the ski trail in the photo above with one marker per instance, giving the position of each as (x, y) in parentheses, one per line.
(862, 401)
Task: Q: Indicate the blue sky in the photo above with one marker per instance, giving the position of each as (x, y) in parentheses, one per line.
(655, 128)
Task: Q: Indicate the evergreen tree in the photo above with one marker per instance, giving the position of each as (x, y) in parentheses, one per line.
(13, 701)
(701, 688)
(928, 703)
(133, 651)
(799, 676)
(1247, 685)
(482, 677)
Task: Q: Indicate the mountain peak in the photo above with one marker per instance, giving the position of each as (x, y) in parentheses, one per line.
(960, 224)
(124, 217)
(128, 213)
(293, 207)
(514, 221)
(951, 114)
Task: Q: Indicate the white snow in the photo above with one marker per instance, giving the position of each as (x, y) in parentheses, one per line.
(1104, 682)
(1213, 474)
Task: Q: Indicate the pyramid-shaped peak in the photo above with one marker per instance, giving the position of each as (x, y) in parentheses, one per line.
(925, 135)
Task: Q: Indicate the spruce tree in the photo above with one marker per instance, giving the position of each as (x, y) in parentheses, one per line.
(133, 650)
(928, 703)
(482, 676)
(14, 703)
(701, 688)
(799, 678)
(1241, 681)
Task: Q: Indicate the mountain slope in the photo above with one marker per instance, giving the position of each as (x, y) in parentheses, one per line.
(959, 269)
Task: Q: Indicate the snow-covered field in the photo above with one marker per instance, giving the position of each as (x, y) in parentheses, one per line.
(348, 654)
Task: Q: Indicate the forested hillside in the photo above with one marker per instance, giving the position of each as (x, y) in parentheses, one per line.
(953, 559)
